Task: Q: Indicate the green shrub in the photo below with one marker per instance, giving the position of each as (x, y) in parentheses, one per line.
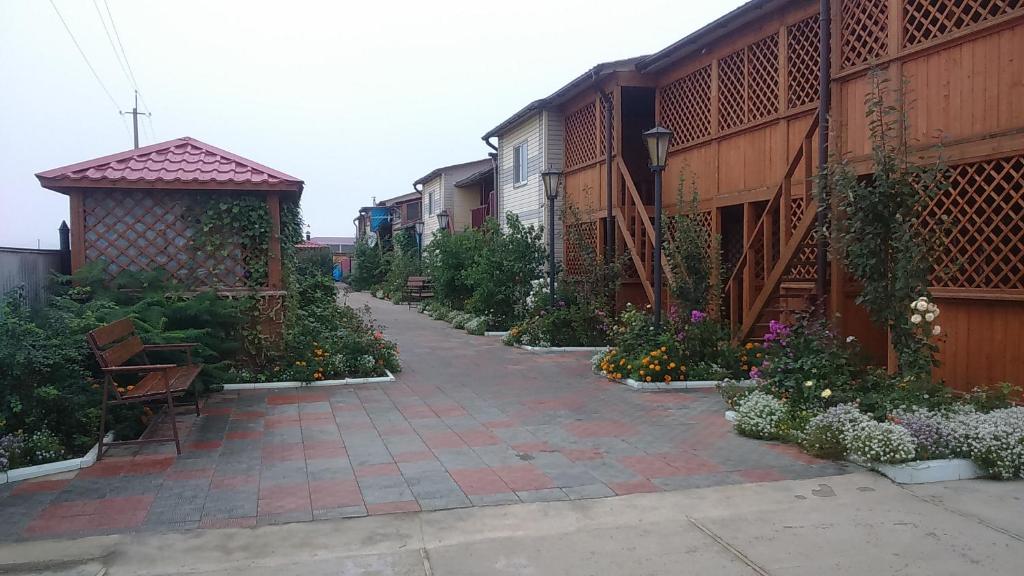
(369, 267)
(402, 261)
(459, 320)
(477, 326)
(503, 271)
(446, 260)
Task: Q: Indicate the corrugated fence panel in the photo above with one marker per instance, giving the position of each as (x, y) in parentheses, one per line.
(27, 272)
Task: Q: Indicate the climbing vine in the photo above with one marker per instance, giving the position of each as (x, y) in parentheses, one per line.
(884, 246)
(224, 223)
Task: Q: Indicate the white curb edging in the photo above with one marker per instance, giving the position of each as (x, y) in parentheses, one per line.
(682, 384)
(498, 334)
(29, 472)
(557, 349)
(277, 385)
(925, 471)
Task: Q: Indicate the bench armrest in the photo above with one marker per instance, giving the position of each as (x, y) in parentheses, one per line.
(177, 346)
(139, 369)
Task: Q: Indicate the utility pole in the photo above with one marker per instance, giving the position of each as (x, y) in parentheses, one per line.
(135, 118)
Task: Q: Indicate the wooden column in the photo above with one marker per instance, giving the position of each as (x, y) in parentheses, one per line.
(77, 230)
(274, 274)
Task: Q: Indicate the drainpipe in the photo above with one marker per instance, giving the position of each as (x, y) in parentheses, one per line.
(824, 90)
(609, 229)
(497, 176)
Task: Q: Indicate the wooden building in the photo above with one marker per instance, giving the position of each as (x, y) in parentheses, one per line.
(741, 96)
(139, 210)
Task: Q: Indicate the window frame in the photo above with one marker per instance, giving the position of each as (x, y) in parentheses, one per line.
(520, 166)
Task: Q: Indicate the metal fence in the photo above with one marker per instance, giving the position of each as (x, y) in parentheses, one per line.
(27, 272)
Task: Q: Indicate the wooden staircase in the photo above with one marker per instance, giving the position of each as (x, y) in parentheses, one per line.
(774, 276)
(636, 232)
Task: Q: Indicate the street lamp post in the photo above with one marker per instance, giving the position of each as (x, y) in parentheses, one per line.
(657, 140)
(419, 240)
(552, 182)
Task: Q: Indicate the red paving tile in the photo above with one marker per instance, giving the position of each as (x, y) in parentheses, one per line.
(572, 402)
(281, 399)
(328, 450)
(600, 429)
(396, 430)
(419, 456)
(334, 493)
(582, 454)
(649, 466)
(244, 435)
(204, 446)
(84, 524)
(282, 452)
(280, 498)
(634, 487)
(449, 411)
(533, 447)
(393, 507)
(442, 440)
(40, 486)
(504, 423)
(417, 412)
(378, 470)
(478, 438)
(248, 415)
(761, 475)
(311, 396)
(521, 477)
(479, 481)
(689, 463)
(197, 474)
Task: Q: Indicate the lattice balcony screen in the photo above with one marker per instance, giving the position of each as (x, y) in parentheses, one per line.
(686, 107)
(864, 34)
(804, 265)
(580, 232)
(925, 20)
(731, 90)
(581, 136)
(763, 78)
(984, 211)
(802, 60)
(145, 230)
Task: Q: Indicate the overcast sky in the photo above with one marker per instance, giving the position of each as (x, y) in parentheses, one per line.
(356, 98)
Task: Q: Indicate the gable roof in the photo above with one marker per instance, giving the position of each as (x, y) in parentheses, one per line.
(437, 171)
(565, 92)
(180, 163)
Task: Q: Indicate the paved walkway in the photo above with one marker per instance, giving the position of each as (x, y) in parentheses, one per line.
(470, 422)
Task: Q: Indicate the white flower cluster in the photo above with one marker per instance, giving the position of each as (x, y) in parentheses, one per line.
(760, 415)
(881, 442)
(993, 440)
(828, 433)
(923, 313)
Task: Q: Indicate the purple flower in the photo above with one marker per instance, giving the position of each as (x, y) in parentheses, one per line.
(755, 373)
(697, 316)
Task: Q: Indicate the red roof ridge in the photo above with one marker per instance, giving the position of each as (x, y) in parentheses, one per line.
(181, 162)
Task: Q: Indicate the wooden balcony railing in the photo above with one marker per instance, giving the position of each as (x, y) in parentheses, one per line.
(479, 215)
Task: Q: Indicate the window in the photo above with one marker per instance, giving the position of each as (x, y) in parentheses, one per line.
(430, 203)
(519, 164)
(412, 211)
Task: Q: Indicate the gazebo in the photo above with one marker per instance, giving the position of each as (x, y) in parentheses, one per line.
(149, 208)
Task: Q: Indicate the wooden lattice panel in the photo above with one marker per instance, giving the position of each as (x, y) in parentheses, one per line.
(983, 208)
(802, 59)
(763, 78)
(686, 107)
(804, 265)
(578, 236)
(581, 145)
(864, 32)
(731, 91)
(146, 230)
(600, 124)
(924, 20)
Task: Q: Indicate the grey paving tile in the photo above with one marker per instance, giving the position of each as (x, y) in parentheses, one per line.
(459, 500)
(588, 491)
(545, 495)
(494, 499)
(380, 489)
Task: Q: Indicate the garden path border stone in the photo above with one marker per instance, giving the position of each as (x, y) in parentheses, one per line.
(344, 382)
(29, 472)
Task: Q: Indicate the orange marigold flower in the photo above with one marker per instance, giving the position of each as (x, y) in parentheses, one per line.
(648, 379)
(668, 378)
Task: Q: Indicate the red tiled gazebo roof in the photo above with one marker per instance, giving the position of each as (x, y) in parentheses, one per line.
(183, 163)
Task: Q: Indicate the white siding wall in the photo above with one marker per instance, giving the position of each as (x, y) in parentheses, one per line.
(430, 218)
(554, 159)
(461, 217)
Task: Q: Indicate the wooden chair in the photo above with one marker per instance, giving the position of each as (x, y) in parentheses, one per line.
(417, 289)
(115, 345)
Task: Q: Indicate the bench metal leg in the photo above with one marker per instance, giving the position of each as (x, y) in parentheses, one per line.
(103, 423)
(174, 421)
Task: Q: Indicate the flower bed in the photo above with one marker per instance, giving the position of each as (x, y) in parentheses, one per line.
(475, 325)
(817, 393)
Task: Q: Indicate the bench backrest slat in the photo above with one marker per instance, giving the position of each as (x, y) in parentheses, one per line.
(115, 343)
(104, 336)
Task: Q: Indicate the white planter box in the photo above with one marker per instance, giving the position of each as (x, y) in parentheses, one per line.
(555, 350)
(680, 384)
(276, 385)
(29, 472)
(925, 471)
(498, 334)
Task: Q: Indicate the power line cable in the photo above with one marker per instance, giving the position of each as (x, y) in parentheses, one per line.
(110, 40)
(86, 58)
(131, 73)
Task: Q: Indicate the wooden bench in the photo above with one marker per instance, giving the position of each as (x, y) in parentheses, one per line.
(115, 345)
(417, 289)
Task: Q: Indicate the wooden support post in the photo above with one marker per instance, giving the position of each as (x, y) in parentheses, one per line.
(748, 268)
(274, 272)
(77, 230)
